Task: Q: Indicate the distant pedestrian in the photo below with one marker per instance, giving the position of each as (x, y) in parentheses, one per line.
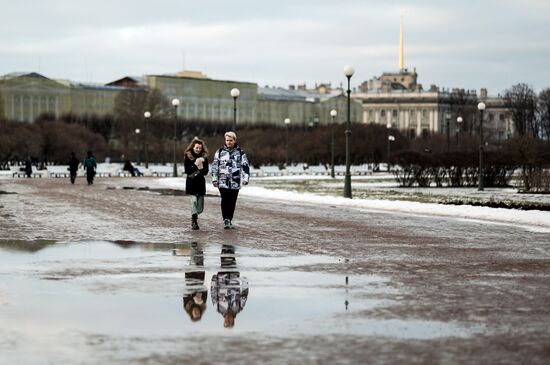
(196, 168)
(28, 166)
(134, 171)
(90, 166)
(73, 167)
(230, 171)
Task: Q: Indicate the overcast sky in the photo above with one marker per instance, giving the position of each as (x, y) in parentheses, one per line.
(468, 44)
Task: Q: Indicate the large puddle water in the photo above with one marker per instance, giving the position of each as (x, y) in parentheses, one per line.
(51, 290)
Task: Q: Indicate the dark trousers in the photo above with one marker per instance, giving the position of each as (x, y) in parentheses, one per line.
(73, 177)
(90, 172)
(229, 200)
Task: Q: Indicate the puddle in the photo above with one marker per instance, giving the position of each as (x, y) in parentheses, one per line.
(156, 290)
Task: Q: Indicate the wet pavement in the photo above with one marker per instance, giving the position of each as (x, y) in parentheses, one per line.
(113, 275)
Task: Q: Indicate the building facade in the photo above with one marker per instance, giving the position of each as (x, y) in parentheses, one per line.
(393, 99)
(398, 101)
(205, 99)
(27, 96)
(308, 107)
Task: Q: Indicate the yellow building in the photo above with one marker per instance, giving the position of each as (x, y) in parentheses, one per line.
(205, 99)
(304, 106)
(26, 96)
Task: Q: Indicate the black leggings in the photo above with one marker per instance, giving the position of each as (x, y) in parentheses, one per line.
(229, 200)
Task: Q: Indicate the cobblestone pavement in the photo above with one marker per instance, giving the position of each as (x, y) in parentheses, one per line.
(493, 276)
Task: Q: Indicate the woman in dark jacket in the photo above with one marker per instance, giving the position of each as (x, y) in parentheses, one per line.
(196, 168)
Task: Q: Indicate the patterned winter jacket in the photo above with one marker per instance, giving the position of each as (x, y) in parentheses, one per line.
(230, 168)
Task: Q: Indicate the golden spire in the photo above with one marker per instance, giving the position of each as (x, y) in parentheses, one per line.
(401, 53)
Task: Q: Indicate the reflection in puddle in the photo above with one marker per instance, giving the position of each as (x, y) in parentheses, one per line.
(131, 289)
(196, 292)
(229, 290)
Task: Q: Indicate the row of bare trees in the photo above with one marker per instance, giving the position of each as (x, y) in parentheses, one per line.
(529, 111)
(528, 157)
(115, 137)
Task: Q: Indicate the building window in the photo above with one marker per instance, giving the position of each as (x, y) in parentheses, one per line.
(491, 117)
(395, 113)
(382, 113)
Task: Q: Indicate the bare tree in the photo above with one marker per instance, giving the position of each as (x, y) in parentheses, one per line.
(543, 112)
(521, 102)
(20, 140)
(464, 104)
(2, 117)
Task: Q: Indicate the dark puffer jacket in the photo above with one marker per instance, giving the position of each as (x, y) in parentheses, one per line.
(195, 183)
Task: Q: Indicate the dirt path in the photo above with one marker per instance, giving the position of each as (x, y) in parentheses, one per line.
(494, 276)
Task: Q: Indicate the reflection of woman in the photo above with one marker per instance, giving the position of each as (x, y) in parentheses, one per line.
(229, 291)
(195, 296)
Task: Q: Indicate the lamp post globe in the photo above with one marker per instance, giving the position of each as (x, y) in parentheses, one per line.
(348, 72)
(481, 107)
(333, 114)
(146, 115)
(235, 94)
(175, 104)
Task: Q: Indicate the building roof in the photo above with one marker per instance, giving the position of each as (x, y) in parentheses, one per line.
(282, 94)
(135, 81)
(13, 75)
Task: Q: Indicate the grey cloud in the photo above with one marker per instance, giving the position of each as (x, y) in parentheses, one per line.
(467, 44)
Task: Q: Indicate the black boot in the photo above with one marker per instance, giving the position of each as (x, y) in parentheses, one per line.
(194, 222)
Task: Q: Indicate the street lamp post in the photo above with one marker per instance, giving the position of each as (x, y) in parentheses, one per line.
(458, 127)
(138, 131)
(390, 140)
(481, 108)
(333, 114)
(448, 119)
(175, 104)
(235, 94)
(287, 123)
(348, 71)
(146, 115)
(388, 127)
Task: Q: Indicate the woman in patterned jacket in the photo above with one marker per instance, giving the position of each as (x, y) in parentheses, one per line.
(230, 171)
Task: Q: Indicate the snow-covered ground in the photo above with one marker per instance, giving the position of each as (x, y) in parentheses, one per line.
(533, 220)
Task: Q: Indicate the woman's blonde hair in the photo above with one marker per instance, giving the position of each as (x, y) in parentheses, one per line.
(194, 142)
